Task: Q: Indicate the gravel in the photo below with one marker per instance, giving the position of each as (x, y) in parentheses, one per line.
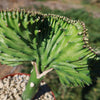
(11, 88)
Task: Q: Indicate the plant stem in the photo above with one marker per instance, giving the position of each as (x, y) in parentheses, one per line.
(43, 73)
(32, 86)
(33, 83)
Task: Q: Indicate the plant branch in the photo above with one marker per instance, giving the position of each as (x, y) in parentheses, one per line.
(37, 72)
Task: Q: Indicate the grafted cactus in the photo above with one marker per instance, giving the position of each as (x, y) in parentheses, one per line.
(49, 42)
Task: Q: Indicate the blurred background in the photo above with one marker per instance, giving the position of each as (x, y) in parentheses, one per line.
(87, 11)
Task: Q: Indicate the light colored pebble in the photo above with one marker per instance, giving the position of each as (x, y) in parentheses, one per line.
(23, 76)
(2, 96)
(23, 88)
(11, 88)
(27, 77)
(42, 83)
(17, 97)
(6, 85)
(1, 84)
(4, 80)
(11, 98)
(10, 94)
(5, 98)
(9, 77)
(14, 90)
(23, 84)
(12, 84)
(1, 92)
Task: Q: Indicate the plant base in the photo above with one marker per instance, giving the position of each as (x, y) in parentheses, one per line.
(12, 87)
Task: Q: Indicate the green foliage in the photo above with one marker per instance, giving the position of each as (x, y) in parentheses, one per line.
(89, 91)
(15, 46)
(93, 92)
(92, 23)
(51, 41)
(86, 1)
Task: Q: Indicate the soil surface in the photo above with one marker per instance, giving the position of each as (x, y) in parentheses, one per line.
(5, 70)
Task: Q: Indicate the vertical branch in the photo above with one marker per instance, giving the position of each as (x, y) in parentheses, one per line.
(37, 72)
(36, 69)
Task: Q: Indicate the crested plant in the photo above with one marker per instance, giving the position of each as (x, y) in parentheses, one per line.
(49, 42)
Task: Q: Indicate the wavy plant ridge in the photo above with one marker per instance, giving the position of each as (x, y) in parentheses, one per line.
(51, 41)
(69, 48)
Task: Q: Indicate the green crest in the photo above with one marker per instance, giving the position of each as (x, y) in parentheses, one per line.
(50, 40)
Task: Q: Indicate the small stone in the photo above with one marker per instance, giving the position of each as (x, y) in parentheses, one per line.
(27, 77)
(5, 98)
(11, 98)
(9, 77)
(42, 83)
(1, 92)
(23, 89)
(4, 80)
(16, 87)
(20, 78)
(1, 84)
(2, 96)
(6, 85)
(22, 84)
(14, 90)
(12, 84)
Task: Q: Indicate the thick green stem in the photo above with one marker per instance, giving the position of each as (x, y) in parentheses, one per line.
(32, 86)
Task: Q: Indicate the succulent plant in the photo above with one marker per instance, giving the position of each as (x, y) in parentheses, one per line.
(49, 42)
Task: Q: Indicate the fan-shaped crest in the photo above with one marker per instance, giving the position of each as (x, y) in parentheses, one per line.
(50, 40)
